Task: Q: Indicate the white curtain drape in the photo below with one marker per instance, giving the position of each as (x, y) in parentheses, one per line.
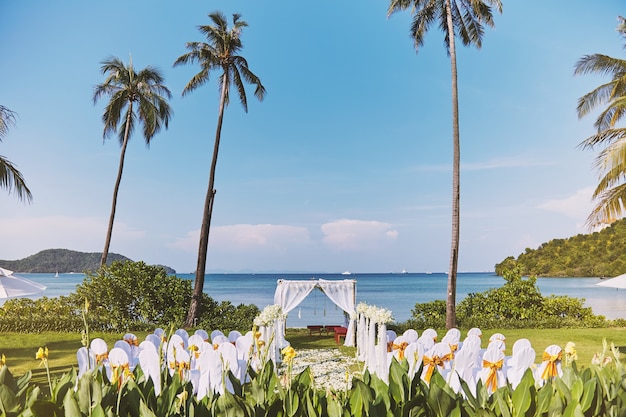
(342, 293)
(291, 293)
(288, 295)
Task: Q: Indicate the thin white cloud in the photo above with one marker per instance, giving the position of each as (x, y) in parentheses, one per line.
(576, 206)
(26, 236)
(247, 236)
(354, 235)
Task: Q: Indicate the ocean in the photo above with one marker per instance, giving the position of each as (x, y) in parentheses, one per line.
(397, 292)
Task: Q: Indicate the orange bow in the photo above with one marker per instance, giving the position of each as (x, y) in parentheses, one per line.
(454, 347)
(132, 342)
(431, 363)
(492, 378)
(101, 357)
(550, 370)
(401, 347)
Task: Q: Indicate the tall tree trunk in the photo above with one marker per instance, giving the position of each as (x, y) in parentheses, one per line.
(207, 212)
(107, 242)
(456, 178)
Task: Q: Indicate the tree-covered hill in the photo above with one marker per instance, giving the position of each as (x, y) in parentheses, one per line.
(599, 254)
(63, 260)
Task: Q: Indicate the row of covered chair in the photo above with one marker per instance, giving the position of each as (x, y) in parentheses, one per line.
(199, 357)
(467, 360)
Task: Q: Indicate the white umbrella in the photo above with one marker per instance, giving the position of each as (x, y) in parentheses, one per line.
(12, 286)
(617, 282)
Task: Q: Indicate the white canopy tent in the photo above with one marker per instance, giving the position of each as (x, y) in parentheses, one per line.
(290, 293)
(616, 282)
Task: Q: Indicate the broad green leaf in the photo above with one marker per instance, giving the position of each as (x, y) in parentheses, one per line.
(573, 410)
(45, 409)
(70, 405)
(500, 403)
(590, 391)
(523, 396)
(8, 400)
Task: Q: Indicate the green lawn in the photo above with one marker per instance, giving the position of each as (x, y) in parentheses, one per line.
(20, 348)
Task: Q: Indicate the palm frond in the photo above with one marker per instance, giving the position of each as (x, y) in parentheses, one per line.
(603, 137)
(11, 179)
(609, 207)
(7, 120)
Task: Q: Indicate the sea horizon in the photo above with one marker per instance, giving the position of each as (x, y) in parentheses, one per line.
(397, 292)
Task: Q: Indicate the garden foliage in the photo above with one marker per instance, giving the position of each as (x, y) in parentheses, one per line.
(517, 304)
(123, 296)
(594, 391)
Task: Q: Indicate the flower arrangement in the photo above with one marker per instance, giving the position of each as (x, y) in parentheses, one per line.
(376, 314)
(269, 315)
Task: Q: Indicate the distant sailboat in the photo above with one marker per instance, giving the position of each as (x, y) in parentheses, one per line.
(56, 275)
(346, 273)
(404, 271)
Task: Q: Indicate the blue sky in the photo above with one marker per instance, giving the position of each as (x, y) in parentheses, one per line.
(346, 165)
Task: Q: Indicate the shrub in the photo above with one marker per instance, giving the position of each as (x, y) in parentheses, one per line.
(517, 304)
(123, 296)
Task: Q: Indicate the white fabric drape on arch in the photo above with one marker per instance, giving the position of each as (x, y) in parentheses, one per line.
(342, 294)
(288, 295)
(291, 293)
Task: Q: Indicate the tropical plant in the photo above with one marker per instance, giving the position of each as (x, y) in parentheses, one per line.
(220, 52)
(10, 177)
(595, 390)
(465, 20)
(611, 160)
(143, 97)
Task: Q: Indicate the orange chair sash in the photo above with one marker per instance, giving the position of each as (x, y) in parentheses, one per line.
(492, 378)
(400, 348)
(550, 370)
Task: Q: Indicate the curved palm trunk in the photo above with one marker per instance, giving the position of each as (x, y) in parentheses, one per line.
(456, 178)
(107, 242)
(198, 287)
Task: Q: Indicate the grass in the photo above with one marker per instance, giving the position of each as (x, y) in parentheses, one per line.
(20, 348)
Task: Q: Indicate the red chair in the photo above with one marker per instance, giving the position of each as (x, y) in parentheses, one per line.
(340, 331)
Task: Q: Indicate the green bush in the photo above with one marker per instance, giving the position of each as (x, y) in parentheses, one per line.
(517, 304)
(123, 296)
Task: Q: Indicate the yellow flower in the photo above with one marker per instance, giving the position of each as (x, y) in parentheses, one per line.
(289, 353)
(570, 351)
(42, 354)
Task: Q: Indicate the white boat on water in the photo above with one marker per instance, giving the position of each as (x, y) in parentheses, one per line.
(404, 271)
(346, 273)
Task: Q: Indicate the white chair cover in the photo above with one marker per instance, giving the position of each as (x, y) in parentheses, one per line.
(203, 334)
(413, 354)
(82, 356)
(150, 365)
(493, 371)
(551, 364)
(475, 331)
(438, 357)
(209, 365)
(464, 368)
(233, 335)
(154, 339)
(523, 358)
(411, 335)
(216, 333)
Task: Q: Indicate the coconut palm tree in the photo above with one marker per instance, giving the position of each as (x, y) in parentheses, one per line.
(463, 19)
(135, 97)
(10, 177)
(220, 53)
(611, 161)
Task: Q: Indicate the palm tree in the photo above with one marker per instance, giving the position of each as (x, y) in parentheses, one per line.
(143, 98)
(220, 52)
(611, 161)
(10, 177)
(464, 19)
